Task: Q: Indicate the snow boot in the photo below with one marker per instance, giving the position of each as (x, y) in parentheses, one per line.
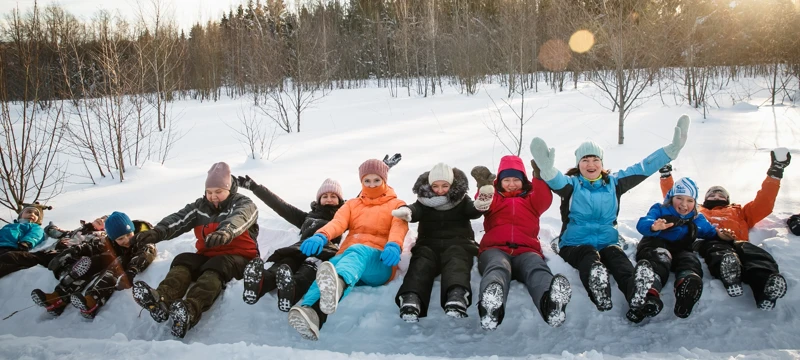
(331, 287)
(457, 302)
(52, 302)
(305, 320)
(599, 287)
(410, 305)
(78, 270)
(181, 318)
(253, 279)
(642, 282)
(688, 290)
(773, 290)
(491, 308)
(651, 307)
(149, 299)
(87, 305)
(286, 287)
(730, 271)
(554, 301)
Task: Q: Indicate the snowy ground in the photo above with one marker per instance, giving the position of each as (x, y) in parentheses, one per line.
(730, 148)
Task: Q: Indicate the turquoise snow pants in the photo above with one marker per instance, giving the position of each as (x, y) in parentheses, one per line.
(358, 265)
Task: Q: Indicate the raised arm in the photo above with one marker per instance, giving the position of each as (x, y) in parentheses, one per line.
(285, 210)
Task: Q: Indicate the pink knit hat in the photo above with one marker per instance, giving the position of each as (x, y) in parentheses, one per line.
(373, 166)
(330, 186)
(219, 176)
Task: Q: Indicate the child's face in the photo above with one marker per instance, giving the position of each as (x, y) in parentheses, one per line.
(217, 195)
(329, 199)
(511, 184)
(30, 214)
(99, 224)
(124, 240)
(683, 204)
(371, 180)
(591, 167)
(440, 187)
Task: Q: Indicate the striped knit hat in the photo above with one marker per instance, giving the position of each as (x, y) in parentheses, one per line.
(330, 186)
(684, 186)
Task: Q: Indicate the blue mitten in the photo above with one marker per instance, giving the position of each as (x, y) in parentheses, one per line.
(391, 254)
(313, 245)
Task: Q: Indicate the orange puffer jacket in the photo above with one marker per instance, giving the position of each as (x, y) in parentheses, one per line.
(369, 221)
(736, 217)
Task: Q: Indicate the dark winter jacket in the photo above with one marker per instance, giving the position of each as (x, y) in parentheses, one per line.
(237, 215)
(687, 227)
(589, 209)
(307, 222)
(512, 223)
(112, 256)
(445, 227)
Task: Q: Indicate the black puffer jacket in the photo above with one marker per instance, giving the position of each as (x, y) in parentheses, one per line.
(443, 228)
(307, 222)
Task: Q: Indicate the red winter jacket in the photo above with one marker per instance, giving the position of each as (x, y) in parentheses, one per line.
(512, 223)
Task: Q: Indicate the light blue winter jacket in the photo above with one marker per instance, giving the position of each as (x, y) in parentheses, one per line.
(13, 234)
(589, 210)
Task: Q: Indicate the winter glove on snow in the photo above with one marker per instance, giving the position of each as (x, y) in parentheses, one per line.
(53, 231)
(24, 246)
(794, 224)
(536, 171)
(678, 138)
(392, 161)
(404, 213)
(147, 237)
(483, 176)
(485, 196)
(246, 182)
(777, 166)
(545, 157)
(391, 254)
(666, 171)
(313, 245)
(218, 238)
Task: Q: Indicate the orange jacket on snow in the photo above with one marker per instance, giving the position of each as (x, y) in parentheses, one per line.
(736, 217)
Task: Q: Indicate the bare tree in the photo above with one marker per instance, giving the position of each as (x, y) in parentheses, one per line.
(510, 131)
(254, 133)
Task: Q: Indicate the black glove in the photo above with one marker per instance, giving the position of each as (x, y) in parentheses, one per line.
(24, 246)
(666, 171)
(147, 237)
(246, 182)
(483, 176)
(218, 238)
(794, 224)
(776, 168)
(392, 161)
(535, 169)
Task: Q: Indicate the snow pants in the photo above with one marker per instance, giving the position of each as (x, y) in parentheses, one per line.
(15, 260)
(529, 268)
(454, 263)
(304, 268)
(612, 257)
(666, 256)
(757, 263)
(358, 265)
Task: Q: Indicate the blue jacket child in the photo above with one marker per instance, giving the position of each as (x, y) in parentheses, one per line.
(24, 233)
(670, 229)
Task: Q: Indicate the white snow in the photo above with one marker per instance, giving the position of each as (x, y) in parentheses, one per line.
(731, 148)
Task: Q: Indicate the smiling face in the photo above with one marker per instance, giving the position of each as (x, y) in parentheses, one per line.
(683, 204)
(591, 167)
(371, 181)
(124, 240)
(440, 187)
(329, 199)
(511, 184)
(99, 224)
(217, 195)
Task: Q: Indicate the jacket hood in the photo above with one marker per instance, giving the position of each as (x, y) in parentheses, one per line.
(458, 188)
(515, 163)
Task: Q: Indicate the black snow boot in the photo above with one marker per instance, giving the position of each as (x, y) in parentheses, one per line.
(284, 278)
(491, 308)
(730, 271)
(181, 318)
(253, 279)
(149, 299)
(651, 307)
(554, 301)
(688, 290)
(410, 305)
(600, 289)
(773, 290)
(457, 302)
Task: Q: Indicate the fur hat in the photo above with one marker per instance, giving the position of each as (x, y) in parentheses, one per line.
(330, 186)
(219, 176)
(441, 172)
(684, 186)
(586, 149)
(374, 166)
(719, 189)
(118, 224)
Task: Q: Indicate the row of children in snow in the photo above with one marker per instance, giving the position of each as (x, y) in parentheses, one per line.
(314, 275)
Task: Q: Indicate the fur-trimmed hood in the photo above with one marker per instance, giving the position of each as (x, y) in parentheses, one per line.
(458, 189)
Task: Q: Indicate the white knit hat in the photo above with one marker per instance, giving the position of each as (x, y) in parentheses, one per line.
(441, 171)
(330, 186)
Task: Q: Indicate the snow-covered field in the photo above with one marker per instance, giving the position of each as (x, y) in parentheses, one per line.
(730, 148)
